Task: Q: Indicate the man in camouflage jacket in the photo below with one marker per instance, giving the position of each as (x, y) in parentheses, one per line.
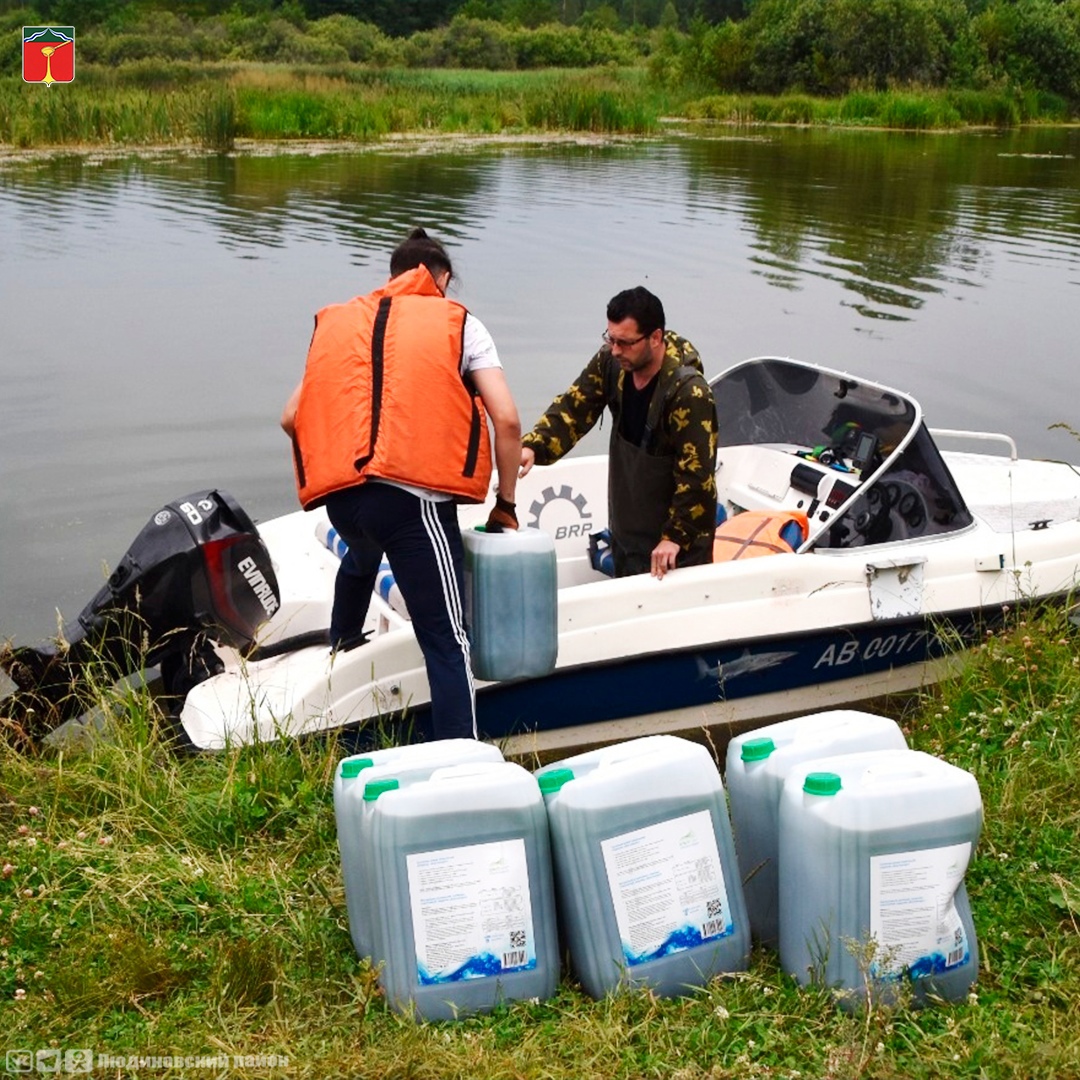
(662, 453)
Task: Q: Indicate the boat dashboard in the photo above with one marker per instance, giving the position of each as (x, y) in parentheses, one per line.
(853, 455)
(790, 477)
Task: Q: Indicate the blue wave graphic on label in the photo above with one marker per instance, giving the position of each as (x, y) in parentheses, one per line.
(476, 967)
(687, 937)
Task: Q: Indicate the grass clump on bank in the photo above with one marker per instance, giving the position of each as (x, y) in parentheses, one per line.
(908, 110)
(273, 103)
(211, 106)
(156, 904)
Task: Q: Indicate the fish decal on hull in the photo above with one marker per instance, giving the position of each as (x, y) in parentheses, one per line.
(746, 664)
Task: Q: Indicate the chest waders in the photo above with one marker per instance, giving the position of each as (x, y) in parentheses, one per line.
(641, 484)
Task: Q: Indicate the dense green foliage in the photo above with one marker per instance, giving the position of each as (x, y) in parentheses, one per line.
(400, 18)
(834, 46)
(158, 905)
(818, 47)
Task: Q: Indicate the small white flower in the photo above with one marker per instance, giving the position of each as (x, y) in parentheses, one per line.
(721, 1013)
(20, 994)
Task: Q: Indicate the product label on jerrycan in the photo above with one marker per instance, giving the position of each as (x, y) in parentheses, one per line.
(667, 886)
(471, 912)
(913, 916)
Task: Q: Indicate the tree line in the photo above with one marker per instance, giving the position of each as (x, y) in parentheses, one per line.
(819, 47)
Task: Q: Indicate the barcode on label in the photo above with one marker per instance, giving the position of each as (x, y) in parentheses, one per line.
(514, 958)
(712, 927)
(955, 957)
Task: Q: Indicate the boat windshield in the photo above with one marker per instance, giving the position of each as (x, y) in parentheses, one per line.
(780, 401)
(852, 454)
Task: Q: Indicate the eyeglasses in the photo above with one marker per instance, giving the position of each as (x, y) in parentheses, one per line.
(623, 343)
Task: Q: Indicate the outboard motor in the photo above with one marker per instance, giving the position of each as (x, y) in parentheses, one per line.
(197, 573)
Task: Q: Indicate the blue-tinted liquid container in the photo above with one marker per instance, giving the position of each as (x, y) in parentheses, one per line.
(646, 874)
(757, 764)
(873, 851)
(408, 763)
(511, 603)
(465, 908)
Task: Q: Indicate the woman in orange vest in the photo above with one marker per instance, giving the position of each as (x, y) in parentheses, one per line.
(390, 430)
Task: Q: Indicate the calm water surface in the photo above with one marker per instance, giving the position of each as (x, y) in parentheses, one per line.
(154, 314)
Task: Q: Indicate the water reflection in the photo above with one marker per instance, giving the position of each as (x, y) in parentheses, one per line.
(154, 313)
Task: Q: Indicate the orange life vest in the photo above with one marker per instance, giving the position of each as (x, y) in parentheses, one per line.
(383, 396)
(756, 532)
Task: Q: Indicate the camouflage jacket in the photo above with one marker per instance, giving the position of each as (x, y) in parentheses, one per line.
(687, 431)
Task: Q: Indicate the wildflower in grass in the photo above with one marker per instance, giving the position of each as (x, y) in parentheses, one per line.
(8, 870)
(20, 994)
(23, 830)
(34, 811)
(721, 1013)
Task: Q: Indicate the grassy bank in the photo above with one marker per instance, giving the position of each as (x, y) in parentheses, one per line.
(193, 906)
(149, 103)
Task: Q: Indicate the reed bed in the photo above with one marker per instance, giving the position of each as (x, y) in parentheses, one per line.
(160, 905)
(277, 104)
(909, 110)
(143, 103)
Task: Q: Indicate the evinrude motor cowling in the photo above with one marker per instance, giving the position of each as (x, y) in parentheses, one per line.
(196, 574)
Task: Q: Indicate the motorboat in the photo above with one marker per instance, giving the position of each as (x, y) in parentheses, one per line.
(906, 553)
(910, 553)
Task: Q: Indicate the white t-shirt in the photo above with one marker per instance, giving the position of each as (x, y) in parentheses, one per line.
(478, 352)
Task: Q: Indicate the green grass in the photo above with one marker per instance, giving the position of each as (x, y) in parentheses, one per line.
(212, 105)
(156, 904)
(912, 110)
(272, 103)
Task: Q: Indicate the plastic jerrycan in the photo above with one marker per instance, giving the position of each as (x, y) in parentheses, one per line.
(645, 866)
(756, 766)
(465, 908)
(413, 762)
(873, 851)
(511, 603)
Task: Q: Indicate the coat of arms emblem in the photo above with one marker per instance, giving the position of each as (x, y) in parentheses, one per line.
(48, 54)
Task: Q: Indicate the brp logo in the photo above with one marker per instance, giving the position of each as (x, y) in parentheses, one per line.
(561, 514)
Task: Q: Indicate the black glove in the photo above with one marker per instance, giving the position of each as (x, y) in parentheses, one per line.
(502, 516)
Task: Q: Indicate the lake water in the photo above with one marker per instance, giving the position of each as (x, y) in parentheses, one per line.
(155, 313)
